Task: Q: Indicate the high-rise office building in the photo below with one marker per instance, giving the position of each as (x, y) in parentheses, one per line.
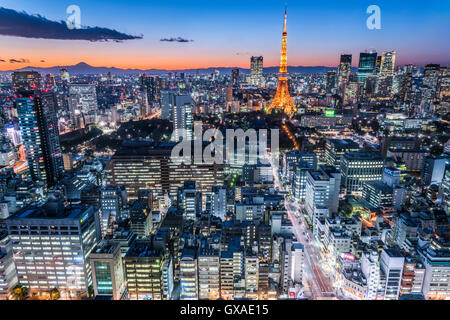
(235, 76)
(64, 74)
(26, 81)
(256, 70)
(190, 200)
(144, 271)
(322, 192)
(299, 181)
(437, 272)
(182, 116)
(250, 274)
(330, 81)
(51, 246)
(231, 268)
(387, 65)
(370, 267)
(378, 194)
(358, 168)
(378, 65)
(167, 102)
(431, 73)
(391, 263)
(444, 84)
(434, 169)
(40, 135)
(208, 266)
(219, 202)
(188, 274)
(293, 158)
(82, 98)
(292, 262)
(140, 220)
(149, 84)
(336, 148)
(352, 90)
(111, 200)
(345, 66)
(51, 133)
(8, 272)
(140, 166)
(367, 65)
(107, 270)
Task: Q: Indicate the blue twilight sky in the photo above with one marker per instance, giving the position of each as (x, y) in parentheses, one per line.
(227, 33)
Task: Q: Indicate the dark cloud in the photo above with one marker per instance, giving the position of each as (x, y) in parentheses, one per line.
(42, 60)
(22, 60)
(2, 60)
(21, 24)
(179, 39)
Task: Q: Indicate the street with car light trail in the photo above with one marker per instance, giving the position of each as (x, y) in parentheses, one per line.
(320, 286)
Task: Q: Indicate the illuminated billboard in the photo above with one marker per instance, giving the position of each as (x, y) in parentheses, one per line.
(329, 113)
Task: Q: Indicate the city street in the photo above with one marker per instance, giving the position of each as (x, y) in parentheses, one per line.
(319, 285)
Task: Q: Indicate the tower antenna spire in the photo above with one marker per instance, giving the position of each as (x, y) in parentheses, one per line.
(282, 99)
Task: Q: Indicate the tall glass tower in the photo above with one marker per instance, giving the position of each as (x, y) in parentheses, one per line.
(367, 65)
(36, 110)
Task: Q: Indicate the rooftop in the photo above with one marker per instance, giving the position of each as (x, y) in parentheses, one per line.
(40, 212)
(105, 247)
(143, 249)
(362, 156)
(344, 144)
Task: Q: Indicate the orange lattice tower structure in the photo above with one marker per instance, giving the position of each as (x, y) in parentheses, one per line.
(283, 100)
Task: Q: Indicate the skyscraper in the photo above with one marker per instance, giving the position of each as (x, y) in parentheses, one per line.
(345, 66)
(387, 65)
(83, 100)
(235, 76)
(167, 98)
(367, 65)
(283, 100)
(330, 81)
(38, 123)
(256, 70)
(182, 115)
(26, 81)
(64, 74)
(190, 200)
(51, 132)
(150, 85)
(378, 65)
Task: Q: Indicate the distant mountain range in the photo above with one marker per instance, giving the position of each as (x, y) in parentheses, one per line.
(84, 68)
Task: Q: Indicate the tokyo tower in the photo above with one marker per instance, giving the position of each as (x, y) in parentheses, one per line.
(282, 100)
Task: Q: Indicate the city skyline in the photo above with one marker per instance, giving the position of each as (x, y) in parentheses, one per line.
(190, 182)
(205, 35)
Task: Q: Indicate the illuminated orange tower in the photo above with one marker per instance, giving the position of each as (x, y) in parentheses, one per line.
(283, 100)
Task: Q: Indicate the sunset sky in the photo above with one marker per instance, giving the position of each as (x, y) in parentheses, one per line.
(227, 33)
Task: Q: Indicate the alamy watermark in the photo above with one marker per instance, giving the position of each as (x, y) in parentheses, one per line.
(73, 21)
(374, 20)
(218, 152)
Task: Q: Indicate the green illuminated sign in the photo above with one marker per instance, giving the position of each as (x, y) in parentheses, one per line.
(329, 113)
